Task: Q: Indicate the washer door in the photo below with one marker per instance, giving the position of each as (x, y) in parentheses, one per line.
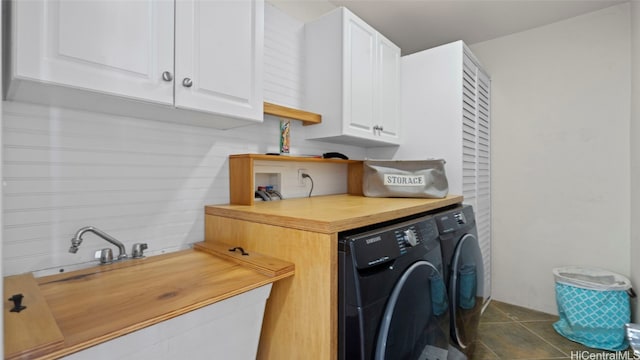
(465, 291)
(415, 324)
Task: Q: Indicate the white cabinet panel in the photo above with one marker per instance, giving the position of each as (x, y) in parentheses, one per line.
(106, 56)
(119, 47)
(219, 49)
(359, 76)
(352, 79)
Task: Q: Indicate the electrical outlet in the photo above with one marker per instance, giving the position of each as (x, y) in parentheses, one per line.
(301, 181)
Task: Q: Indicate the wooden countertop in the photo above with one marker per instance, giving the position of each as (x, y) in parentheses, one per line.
(330, 214)
(97, 304)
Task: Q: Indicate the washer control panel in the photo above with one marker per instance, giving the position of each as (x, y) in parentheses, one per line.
(461, 218)
(379, 246)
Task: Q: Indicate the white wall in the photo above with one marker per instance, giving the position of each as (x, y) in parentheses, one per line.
(560, 152)
(283, 57)
(137, 179)
(635, 151)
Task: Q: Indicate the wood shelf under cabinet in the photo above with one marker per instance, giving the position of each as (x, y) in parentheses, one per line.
(307, 118)
(242, 176)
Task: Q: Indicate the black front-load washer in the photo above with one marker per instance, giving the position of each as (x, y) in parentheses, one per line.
(464, 274)
(392, 299)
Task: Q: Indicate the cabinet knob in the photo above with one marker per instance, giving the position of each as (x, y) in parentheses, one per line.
(166, 76)
(187, 82)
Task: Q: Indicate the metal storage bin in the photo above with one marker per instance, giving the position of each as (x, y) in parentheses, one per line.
(405, 178)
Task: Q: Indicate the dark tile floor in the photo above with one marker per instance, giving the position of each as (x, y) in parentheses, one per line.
(509, 332)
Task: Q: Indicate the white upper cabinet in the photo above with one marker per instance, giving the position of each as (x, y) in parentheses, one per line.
(115, 47)
(118, 56)
(352, 79)
(359, 76)
(389, 89)
(219, 56)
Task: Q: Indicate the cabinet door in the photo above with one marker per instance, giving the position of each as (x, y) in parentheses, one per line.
(114, 47)
(219, 56)
(388, 111)
(360, 77)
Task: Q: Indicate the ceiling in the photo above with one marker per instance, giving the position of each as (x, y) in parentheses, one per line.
(416, 25)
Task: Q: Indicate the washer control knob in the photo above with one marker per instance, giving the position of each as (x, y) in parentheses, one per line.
(410, 238)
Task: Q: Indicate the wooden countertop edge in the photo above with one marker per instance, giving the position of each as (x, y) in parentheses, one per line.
(40, 352)
(293, 157)
(245, 212)
(269, 219)
(281, 270)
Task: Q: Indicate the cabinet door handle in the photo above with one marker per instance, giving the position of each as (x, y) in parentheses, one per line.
(166, 76)
(187, 82)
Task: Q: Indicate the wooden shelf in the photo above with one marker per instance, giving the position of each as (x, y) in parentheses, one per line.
(242, 178)
(307, 118)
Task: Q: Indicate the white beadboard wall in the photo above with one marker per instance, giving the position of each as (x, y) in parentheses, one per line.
(139, 180)
(283, 40)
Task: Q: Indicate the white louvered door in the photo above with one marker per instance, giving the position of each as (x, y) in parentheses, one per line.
(476, 160)
(469, 130)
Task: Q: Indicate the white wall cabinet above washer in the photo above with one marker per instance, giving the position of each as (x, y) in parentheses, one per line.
(352, 79)
(119, 57)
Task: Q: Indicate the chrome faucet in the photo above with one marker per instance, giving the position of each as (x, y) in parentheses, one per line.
(77, 240)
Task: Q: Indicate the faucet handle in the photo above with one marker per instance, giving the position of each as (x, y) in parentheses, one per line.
(138, 250)
(105, 255)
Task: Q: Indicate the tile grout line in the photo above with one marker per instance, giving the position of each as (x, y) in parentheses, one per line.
(513, 319)
(495, 308)
(543, 339)
(490, 349)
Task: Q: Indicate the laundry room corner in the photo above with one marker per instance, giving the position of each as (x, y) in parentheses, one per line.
(561, 152)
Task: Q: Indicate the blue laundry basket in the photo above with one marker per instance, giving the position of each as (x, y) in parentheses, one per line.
(593, 305)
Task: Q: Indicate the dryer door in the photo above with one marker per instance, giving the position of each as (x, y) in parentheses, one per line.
(465, 291)
(415, 324)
